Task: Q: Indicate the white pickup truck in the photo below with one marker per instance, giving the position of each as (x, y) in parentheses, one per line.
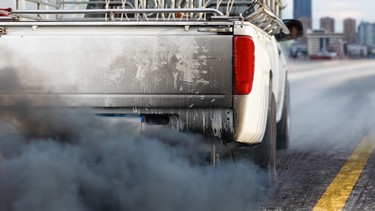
(207, 67)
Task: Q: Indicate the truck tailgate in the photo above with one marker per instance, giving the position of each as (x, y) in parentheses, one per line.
(116, 67)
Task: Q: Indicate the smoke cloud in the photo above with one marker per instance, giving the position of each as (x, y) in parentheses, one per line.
(84, 165)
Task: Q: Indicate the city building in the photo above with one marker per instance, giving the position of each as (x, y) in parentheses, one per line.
(303, 9)
(321, 44)
(350, 26)
(366, 33)
(327, 24)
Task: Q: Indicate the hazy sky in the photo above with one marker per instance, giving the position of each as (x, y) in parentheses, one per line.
(339, 9)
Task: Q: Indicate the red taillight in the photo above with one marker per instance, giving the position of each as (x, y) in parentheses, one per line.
(244, 60)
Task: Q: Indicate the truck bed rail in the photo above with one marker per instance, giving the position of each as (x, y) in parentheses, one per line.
(263, 13)
(111, 14)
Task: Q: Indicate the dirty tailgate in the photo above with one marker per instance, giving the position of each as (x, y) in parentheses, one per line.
(118, 67)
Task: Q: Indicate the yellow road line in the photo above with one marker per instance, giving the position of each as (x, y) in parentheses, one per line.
(338, 192)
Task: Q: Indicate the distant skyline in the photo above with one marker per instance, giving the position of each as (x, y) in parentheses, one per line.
(362, 10)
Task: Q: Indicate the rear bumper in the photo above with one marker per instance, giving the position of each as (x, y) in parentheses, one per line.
(209, 122)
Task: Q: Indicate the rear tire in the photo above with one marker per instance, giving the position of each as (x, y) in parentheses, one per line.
(268, 144)
(264, 153)
(283, 127)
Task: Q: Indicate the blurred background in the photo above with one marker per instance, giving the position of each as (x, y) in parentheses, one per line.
(336, 29)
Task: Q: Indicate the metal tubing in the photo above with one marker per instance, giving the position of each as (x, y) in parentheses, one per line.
(127, 11)
(90, 2)
(278, 20)
(128, 23)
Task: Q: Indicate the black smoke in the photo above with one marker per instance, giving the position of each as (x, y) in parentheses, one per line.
(76, 162)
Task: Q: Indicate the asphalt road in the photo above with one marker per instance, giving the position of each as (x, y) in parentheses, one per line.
(332, 113)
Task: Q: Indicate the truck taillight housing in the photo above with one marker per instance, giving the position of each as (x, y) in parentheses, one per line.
(244, 62)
